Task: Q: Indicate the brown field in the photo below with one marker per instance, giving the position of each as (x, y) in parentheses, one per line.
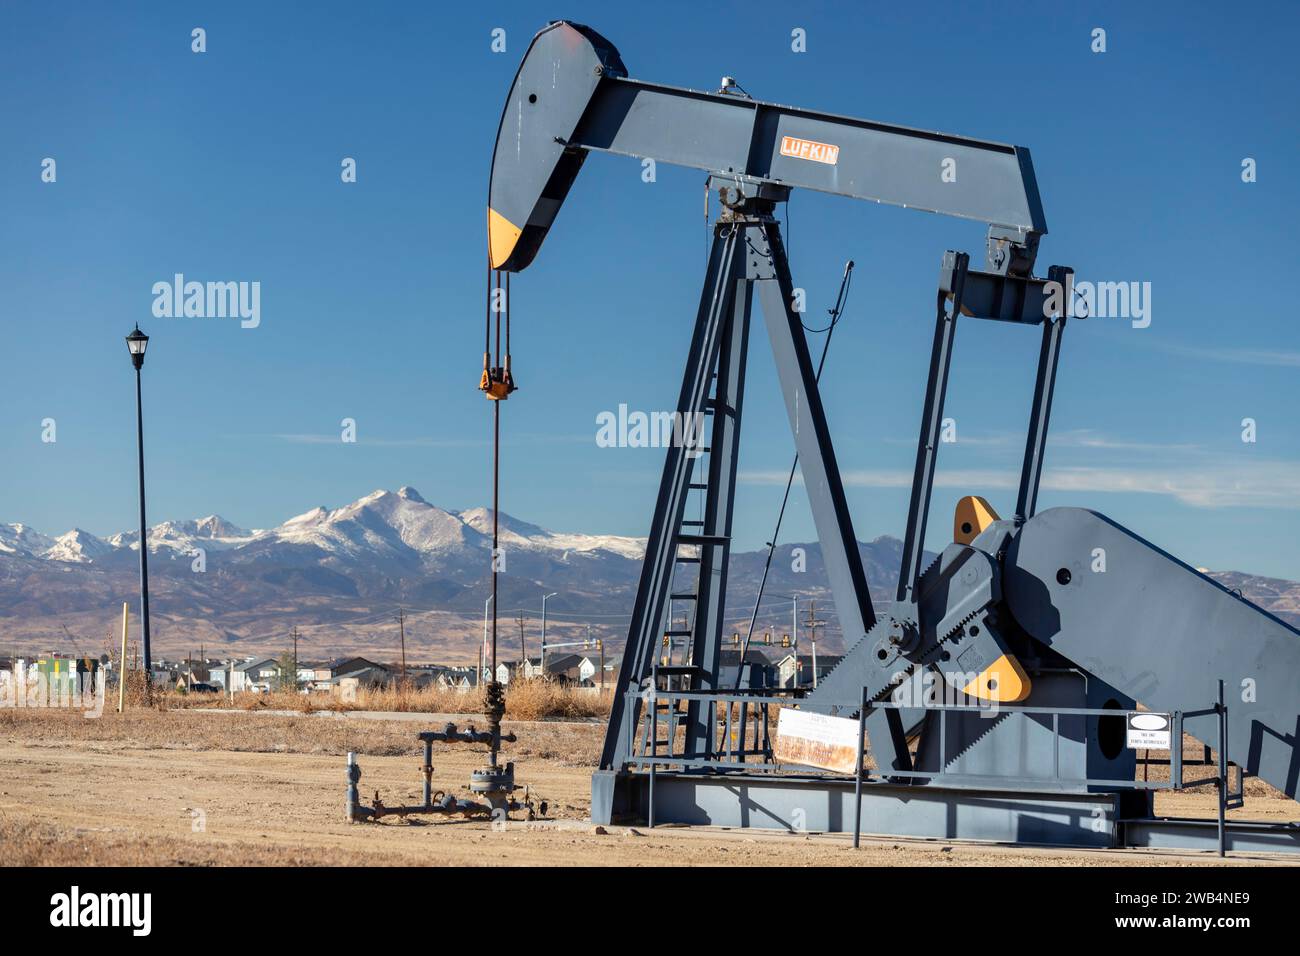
(269, 789)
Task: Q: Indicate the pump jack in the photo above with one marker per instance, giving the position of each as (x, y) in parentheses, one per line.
(1013, 614)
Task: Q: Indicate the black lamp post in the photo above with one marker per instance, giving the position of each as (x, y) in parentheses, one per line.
(137, 342)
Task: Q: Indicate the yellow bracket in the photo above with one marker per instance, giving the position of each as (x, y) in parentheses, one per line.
(972, 516)
(1004, 682)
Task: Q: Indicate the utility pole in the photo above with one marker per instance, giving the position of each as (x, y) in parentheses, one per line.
(401, 623)
(794, 626)
(523, 651)
(812, 623)
(295, 658)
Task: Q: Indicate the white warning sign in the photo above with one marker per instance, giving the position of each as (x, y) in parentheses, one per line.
(815, 740)
(1148, 731)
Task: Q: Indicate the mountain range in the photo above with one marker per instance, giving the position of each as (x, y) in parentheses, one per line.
(341, 575)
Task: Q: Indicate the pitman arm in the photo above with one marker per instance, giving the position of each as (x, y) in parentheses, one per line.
(572, 95)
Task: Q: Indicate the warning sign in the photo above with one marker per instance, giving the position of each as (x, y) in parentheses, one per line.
(1147, 731)
(815, 740)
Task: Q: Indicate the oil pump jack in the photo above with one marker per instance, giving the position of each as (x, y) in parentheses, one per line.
(1057, 626)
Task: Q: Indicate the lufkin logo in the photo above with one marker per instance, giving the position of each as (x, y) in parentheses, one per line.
(810, 149)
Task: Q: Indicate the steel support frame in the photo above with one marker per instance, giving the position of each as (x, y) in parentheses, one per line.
(927, 447)
(827, 805)
(1049, 355)
(747, 257)
(990, 296)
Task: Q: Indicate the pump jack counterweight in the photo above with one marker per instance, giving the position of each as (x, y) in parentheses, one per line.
(1010, 615)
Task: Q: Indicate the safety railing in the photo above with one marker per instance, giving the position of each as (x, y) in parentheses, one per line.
(730, 757)
(1226, 797)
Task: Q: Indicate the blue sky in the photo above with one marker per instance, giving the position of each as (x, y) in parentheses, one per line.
(225, 166)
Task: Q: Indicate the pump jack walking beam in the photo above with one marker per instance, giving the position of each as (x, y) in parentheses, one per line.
(572, 96)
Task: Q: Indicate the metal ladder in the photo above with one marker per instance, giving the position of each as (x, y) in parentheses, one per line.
(691, 533)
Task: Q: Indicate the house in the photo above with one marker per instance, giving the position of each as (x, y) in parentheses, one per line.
(349, 666)
(217, 672)
(193, 672)
(589, 671)
(796, 670)
(376, 675)
(348, 674)
(564, 668)
(258, 674)
(421, 675)
(460, 679)
(509, 670)
(758, 670)
(311, 672)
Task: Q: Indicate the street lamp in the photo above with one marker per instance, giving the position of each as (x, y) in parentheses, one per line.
(544, 597)
(136, 343)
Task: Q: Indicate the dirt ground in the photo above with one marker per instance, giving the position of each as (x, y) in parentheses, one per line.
(204, 788)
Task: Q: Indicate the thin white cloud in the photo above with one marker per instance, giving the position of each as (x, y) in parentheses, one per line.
(334, 438)
(1238, 356)
(1259, 484)
(1088, 438)
(975, 441)
(305, 439)
(1075, 438)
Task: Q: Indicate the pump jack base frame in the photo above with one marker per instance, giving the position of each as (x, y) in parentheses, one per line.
(818, 804)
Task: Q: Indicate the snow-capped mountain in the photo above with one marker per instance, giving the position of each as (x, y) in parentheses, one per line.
(398, 526)
(182, 537)
(341, 573)
(329, 568)
(77, 546)
(22, 540)
(512, 532)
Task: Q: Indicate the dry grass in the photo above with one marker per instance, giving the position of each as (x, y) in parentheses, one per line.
(574, 745)
(525, 700)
